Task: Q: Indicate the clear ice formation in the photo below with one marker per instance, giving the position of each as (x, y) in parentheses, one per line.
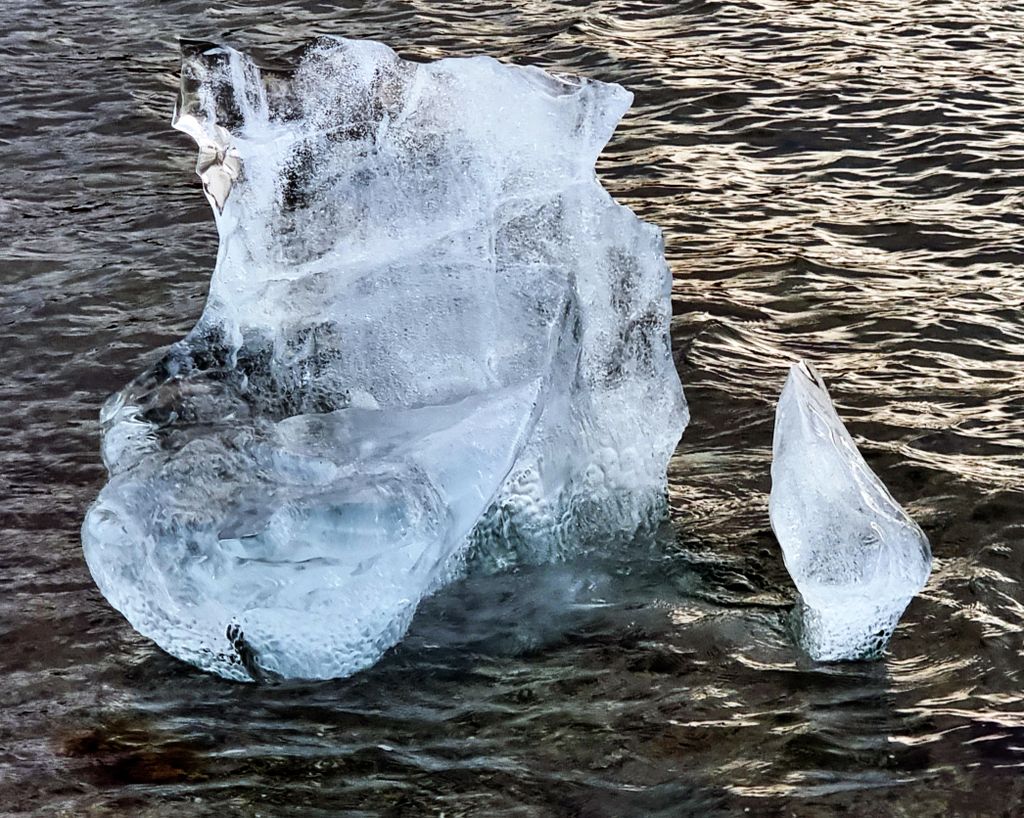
(854, 554)
(429, 329)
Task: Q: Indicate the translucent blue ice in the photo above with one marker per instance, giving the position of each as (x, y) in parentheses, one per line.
(428, 327)
(855, 555)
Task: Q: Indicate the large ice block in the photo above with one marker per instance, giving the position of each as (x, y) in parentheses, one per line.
(855, 555)
(428, 327)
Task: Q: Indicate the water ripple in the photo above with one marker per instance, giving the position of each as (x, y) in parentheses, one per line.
(838, 180)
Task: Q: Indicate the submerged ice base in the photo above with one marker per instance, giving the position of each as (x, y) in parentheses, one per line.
(429, 329)
(854, 554)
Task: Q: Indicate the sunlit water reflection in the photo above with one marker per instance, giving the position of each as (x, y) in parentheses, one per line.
(838, 180)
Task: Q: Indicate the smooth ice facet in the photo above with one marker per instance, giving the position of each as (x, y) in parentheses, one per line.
(429, 328)
(854, 554)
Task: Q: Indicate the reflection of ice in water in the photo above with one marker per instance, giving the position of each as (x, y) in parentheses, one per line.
(854, 554)
(427, 320)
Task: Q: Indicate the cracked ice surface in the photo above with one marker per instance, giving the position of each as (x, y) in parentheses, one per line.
(854, 554)
(429, 329)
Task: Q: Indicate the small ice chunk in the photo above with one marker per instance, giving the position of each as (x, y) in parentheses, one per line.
(854, 554)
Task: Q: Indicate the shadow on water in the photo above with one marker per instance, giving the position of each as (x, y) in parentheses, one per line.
(558, 688)
(532, 659)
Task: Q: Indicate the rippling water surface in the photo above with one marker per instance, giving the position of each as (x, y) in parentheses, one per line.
(838, 180)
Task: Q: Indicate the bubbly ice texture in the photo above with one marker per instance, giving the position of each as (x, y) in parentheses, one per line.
(429, 330)
(855, 555)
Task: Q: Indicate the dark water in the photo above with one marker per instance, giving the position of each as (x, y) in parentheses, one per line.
(838, 180)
